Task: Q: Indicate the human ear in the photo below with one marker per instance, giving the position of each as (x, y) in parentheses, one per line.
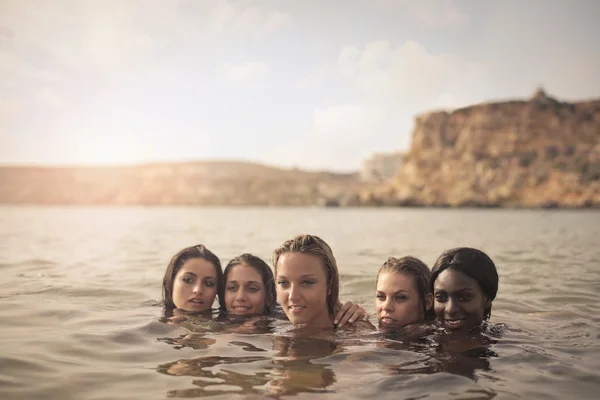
(428, 301)
(488, 302)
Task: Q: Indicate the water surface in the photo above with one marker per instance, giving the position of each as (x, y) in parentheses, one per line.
(79, 294)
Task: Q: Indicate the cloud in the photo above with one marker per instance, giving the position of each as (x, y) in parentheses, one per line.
(341, 136)
(445, 101)
(408, 75)
(394, 83)
(347, 121)
(125, 36)
(245, 18)
(51, 98)
(313, 81)
(243, 73)
(10, 112)
(431, 13)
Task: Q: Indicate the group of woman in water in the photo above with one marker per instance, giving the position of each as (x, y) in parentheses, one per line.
(457, 292)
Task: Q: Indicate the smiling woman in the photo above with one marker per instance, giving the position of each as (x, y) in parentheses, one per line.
(249, 286)
(307, 283)
(464, 284)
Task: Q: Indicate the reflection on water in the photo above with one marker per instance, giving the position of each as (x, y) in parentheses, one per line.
(81, 316)
(296, 363)
(287, 367)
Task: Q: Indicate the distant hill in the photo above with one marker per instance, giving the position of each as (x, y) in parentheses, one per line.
(539, 152)
(190, 183)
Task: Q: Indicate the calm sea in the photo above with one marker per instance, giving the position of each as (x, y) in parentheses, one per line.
(80, 312)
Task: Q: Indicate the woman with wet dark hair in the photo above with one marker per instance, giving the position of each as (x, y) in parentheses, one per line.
(192, 280)
(464, 282)
(249, 286)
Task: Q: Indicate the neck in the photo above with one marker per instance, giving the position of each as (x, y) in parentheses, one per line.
(322, 322)
(179, 312)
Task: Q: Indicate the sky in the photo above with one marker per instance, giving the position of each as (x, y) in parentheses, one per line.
(314, 84)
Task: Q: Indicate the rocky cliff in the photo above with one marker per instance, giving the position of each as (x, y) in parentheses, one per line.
(200, 183)
(536, 153)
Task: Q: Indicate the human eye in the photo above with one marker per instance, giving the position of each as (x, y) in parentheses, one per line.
(283, 283)
(380, 296)
(188, 279)
(232, 287)
(465, 297)
(307, 282)
(441, 297)
(209, 283)
(253, 289)
(400, 297)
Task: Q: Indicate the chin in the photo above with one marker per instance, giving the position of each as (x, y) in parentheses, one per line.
(297, 321)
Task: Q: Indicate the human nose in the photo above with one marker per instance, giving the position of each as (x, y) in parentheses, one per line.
(197, 288)
(294, 293)
(451, 306)
(388, 305)
(240, 295)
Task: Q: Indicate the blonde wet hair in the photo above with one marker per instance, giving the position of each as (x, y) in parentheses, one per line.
(314, 246)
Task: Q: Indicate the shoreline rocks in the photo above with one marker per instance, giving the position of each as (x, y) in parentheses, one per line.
(540, 153)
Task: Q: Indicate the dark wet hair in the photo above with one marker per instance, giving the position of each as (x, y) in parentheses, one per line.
(265, 273)
(315, 246)
(418, 271)
(198, 251)
(473, 263)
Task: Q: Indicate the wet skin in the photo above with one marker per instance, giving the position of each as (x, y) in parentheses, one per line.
(195, 286)
(459, 301)
(397, 300)
(244, 291)
(301, 284)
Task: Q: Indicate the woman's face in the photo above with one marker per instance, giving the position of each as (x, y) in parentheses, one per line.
(397, 300)
(244, 291)
(195, 285)
(459, 302)
(302, 289)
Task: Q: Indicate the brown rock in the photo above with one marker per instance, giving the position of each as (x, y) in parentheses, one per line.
(535, 153)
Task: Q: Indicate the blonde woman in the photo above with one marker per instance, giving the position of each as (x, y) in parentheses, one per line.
(307, 283)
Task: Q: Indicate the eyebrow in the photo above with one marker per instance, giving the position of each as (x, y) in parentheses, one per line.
(466, 289)
(302, 276)
(396, 292)
(236, 282)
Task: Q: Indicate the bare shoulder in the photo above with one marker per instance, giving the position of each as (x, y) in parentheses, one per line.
(358, 326)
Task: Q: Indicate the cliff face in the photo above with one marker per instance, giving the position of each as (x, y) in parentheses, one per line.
(534, 153)
(201, 183)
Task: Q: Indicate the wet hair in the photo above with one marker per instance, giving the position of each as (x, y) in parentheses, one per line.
(198, 251)
(265, 273)
(315, 246)
(418, 271)
(473, 263)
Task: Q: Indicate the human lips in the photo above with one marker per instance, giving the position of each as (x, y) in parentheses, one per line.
(295, 308)
(387, 320)
(454, 323)
(196, 300)
(241, 309)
